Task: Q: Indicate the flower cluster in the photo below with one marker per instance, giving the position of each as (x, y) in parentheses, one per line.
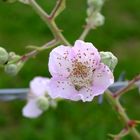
(10, 62)
(77, 74)
(94, 17)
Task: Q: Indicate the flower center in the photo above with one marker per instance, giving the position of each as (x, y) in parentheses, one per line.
(81, 75)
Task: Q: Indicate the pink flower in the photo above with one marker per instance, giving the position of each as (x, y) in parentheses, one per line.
(38, 89)
(77, 72)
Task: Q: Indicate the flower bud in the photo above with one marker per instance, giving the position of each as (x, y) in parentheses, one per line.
(11, 69)
(95, 20)
(13, 58)
(43, 103)
(95, 5)
(3, 56)
(12, 55)
(99, 20)
(109, 59)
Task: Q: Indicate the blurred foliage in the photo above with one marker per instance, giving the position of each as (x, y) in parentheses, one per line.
(20, 26)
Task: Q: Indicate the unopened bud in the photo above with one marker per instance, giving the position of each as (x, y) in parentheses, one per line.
(3, 56)
(109, 59)
(11, 55)
(95, 20)
(43, 103)
(13, 58)
(11, 69)
(99, 19)
(95, 5)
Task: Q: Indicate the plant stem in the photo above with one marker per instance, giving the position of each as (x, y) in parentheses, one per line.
(125, 89)
(120, 110)
(120, 135)
(56, 9)
(85, 33)
(50, 22)
(33, 53)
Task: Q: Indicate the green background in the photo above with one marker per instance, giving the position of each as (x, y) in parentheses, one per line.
(20, 26)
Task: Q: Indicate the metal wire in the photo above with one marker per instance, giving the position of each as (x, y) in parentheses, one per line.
(21, 93)
(13, 94)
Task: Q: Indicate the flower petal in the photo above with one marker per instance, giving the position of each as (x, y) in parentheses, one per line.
(31, 109)
(102, 79)
(86, 53)
(86, 94)
(39, 86)
(59, 88)
(60, 63)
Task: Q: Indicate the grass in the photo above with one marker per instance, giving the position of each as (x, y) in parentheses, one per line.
(20, 26)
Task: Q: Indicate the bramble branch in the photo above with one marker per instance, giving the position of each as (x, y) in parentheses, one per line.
(59, 7)
(49, 21)
(85, 32)
(130, 124)
(127, 88)
(33, 53)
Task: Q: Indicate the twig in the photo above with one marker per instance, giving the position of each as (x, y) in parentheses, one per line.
(125, 89)
(33, 53)
(125, 119)
(85, 32)
(56, 8)
(50, 22)
(122, 133)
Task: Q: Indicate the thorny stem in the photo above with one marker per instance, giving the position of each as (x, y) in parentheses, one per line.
(125, 119)
(123, 133)
(49, 21)
(35, 52)
(129, 86)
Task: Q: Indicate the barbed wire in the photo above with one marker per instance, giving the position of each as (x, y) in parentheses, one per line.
(21, 93)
